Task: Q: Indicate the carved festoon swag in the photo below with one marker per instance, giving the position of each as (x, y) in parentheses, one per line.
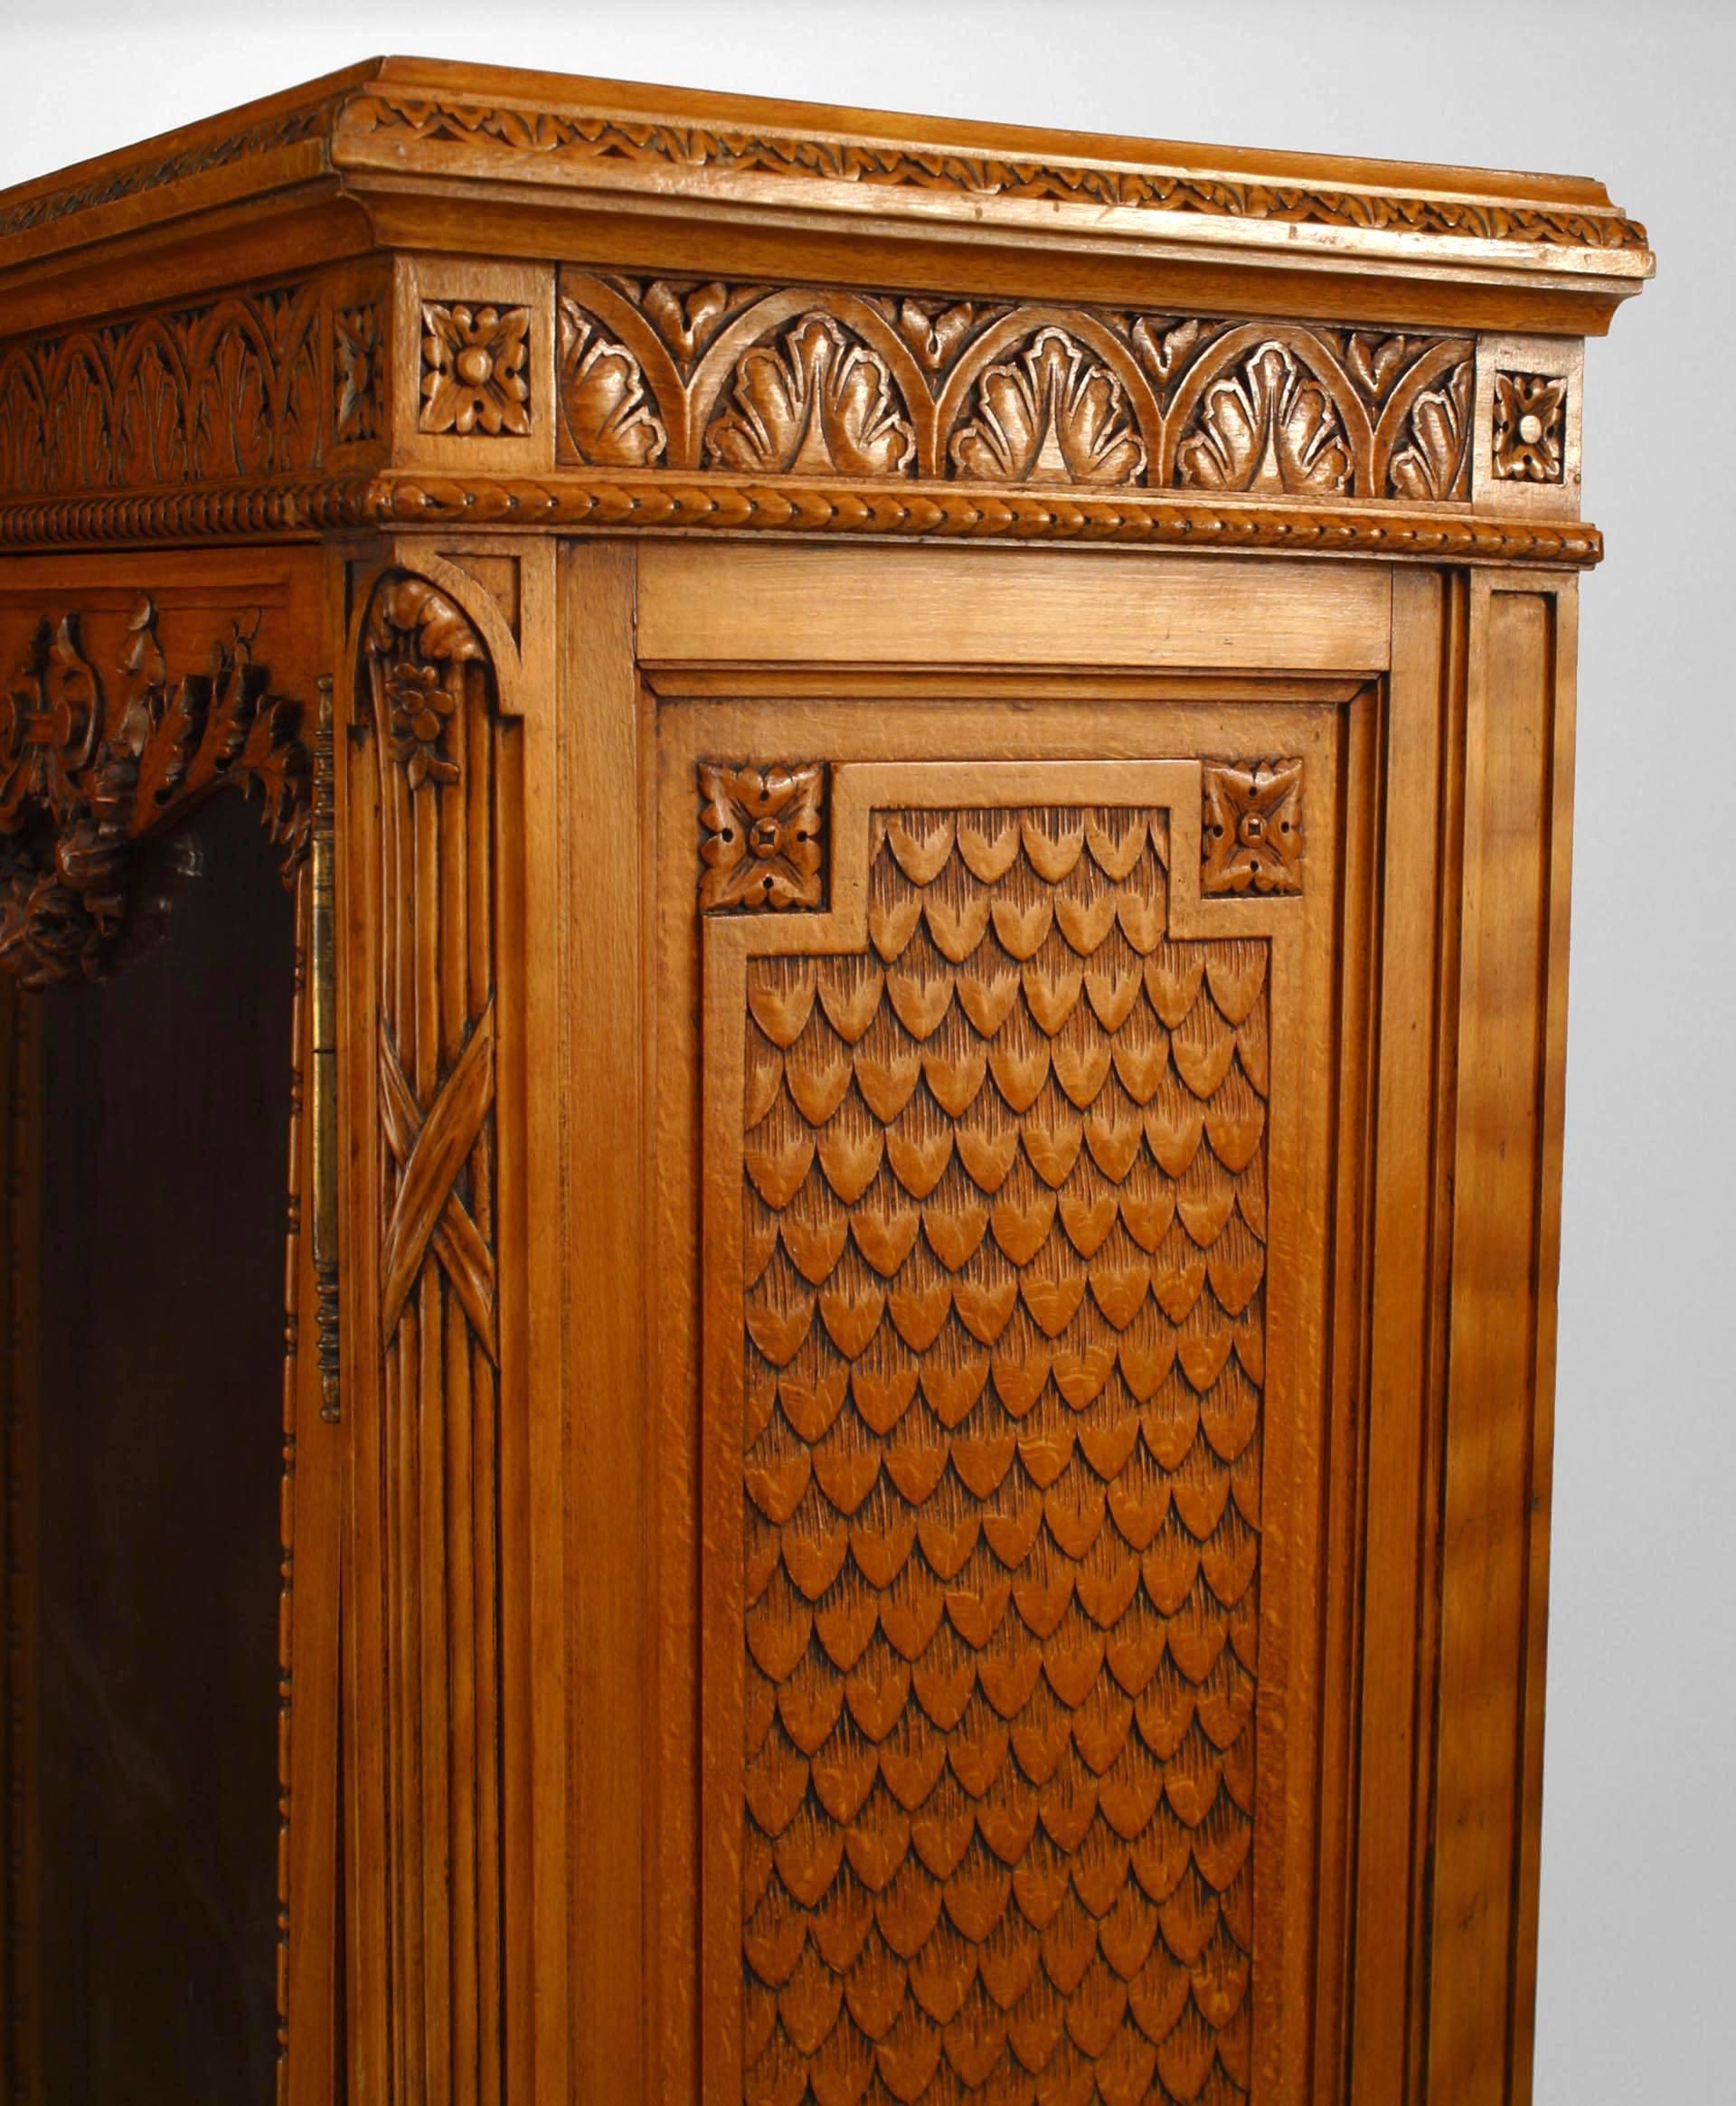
(88, 775)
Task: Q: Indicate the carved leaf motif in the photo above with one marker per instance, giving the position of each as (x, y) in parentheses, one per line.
(1266, 429)
(819, 402)
(1435, 462)
(78, 425)
(604, 409)
(1053, 413)
(934, 332)
(231, 430)
(151, 438)
(688, 315)
(359, 376)
(417, 644)
(73, 804)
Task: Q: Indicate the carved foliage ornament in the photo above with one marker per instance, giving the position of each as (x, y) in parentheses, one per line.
(768, 380)
(1250, 835)
(558, 136)
(473, 369)
(416, 645)
(1529, 422)
(83, 782)
(359, 411)
(760, 831)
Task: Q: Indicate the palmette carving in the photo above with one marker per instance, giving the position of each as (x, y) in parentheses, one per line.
(1250, 832)
(226, 391)
(819, 402)
(759, 381)
(1004, 1192)
(84, 782)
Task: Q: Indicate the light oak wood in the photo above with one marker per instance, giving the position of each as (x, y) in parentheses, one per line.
(948, 1154)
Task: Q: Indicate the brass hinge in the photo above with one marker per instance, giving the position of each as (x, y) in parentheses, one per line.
(323, 975)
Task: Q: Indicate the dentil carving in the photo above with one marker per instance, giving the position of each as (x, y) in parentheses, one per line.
(817, 402)
(1004, 1192)
(473, 369)
(1530, 420)
(761, 828)
(79, 791)
(1252, 829)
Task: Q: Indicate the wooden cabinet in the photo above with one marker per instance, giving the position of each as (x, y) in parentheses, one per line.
(927, 773)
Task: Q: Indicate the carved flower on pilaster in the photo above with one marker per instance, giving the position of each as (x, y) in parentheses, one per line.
(473, 369)
(1054, 413)
(1250, 829)
(604, 408)
(1430, 465)
(1268, 429)
(819, 403)
(1530, 422)
(420, 709)
(762, 835)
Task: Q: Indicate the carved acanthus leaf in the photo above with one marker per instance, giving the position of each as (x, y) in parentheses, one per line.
(1431, 465)
(1269, 427)
(1054, 414)
(604, 409)
(75, 804)
(417, 644)
(819, 402)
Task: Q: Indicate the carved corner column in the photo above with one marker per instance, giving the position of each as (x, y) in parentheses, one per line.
(432, 828)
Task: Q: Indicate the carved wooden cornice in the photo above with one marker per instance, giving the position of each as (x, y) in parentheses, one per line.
(420, 154)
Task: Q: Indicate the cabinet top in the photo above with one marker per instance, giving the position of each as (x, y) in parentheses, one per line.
(426, 155)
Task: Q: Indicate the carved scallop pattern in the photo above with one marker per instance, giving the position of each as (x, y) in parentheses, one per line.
(1003, 1195)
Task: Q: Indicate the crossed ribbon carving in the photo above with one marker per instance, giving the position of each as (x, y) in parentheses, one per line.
(430, 1150)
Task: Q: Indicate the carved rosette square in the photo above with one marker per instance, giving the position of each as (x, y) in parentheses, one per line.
(1250, 830)
(474, 364)
(1530, 427)
(761, 833)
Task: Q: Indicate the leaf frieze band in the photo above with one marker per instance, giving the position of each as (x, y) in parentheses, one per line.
(787, 380)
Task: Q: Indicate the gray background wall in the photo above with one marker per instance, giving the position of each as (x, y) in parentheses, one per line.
(1638, 1943)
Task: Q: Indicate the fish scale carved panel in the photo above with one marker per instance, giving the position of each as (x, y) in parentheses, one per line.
(1004, 1192)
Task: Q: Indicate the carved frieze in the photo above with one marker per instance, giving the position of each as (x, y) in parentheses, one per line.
(1250, 832)
(85, 777)
(763, 380)
(230, 391)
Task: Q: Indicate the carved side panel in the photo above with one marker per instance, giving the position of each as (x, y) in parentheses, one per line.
(427, 686)
(999, 1364)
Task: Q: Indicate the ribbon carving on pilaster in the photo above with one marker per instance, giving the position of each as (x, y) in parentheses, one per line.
(427, 683)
